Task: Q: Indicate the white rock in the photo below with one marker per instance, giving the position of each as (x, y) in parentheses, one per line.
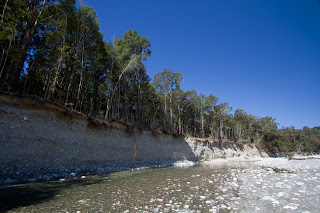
(290, 207)
(223, 206)
(268, 198)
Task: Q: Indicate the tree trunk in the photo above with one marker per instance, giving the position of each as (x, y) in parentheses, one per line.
(202, 124)
(179, 121)
(69, 86)
(79, 89)
(6, 57)
(171, 115)
(4, 9)
(5, 60)
(126, 102)
(53, 85)
(138, 110)
(165, 112)
(221, 131)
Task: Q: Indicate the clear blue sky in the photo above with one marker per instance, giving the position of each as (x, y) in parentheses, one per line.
(259, 56)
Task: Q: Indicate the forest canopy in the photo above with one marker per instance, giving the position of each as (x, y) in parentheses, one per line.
(54, 49)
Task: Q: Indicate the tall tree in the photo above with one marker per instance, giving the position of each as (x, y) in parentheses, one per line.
(131, 50)
(165, 84)
(26, 24)
(206, 106)
(221, 112)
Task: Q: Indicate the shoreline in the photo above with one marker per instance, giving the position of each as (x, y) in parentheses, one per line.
(29, 174)
(20, 174)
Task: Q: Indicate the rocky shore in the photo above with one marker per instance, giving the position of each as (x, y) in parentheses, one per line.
(28, 173)
(281, 185)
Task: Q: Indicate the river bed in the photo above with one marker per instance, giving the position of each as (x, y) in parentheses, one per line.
(266, 186)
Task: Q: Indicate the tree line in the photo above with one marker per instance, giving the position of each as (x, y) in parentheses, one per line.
(54, 49)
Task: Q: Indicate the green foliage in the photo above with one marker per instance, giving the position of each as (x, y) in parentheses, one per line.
(290, 139)
(167, 82)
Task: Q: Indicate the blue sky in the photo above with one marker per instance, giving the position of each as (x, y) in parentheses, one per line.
(259, 56)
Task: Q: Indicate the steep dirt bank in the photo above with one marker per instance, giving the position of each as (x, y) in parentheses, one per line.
(40, 140)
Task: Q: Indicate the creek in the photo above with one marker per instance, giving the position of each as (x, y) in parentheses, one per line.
(207, 187)
(197, 188)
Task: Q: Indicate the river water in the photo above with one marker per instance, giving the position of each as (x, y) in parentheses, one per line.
(215, 187)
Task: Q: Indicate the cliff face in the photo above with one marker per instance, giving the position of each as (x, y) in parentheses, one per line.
(226, 150)
(35, 136)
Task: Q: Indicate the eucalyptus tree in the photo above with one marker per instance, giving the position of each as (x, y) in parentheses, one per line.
(240, 118)
(47, 50)
(129, 53)
(179, 96)
(62, 14)
(11, 15)
(90, 40)
(190, 112)
(166, 83)
(202, 100)
(20, 22)
(265, 126)
(221, 111)
(68, 59)
(294, 135)
(206, 108)
(312, 139)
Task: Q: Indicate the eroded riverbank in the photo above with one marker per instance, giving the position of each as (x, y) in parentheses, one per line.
(40, 141)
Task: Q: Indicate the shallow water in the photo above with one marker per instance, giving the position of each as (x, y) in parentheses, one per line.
(214, 187)
(196, 188)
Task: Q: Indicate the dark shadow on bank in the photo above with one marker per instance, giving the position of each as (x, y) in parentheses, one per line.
(21, 195)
